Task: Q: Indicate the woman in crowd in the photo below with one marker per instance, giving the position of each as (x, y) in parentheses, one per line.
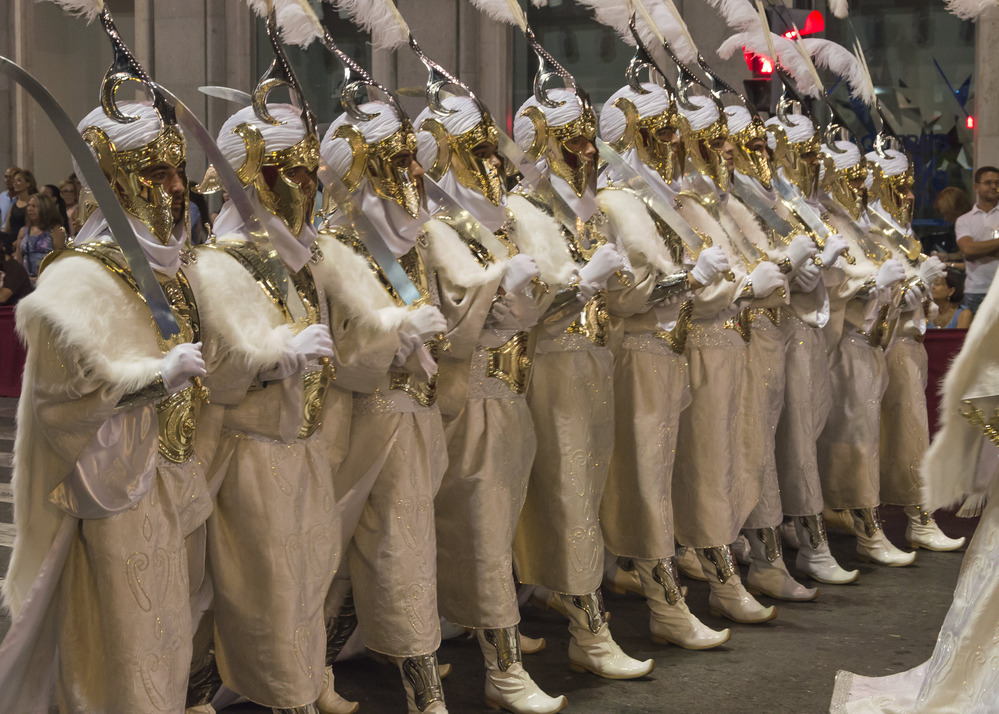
(53, 192)
(69, 193)
(42, 233)
(24, 187)
(947, 293)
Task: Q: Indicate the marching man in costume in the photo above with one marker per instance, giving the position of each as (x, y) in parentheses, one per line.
(860, 301)
(107, 481)
(481, 386)
(559, 543)
(273, 538)
(800, 392)
(904, 420)
(650, 369)
(397, 452)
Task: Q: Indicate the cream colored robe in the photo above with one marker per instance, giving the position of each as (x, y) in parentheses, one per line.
(273, 537)
(394, 464)
(559, 543)
(490, 437)
(98, 584)
(650, 390)
(848, 446)
(712, 492)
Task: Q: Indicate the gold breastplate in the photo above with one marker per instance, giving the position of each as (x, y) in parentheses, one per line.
(511, 363)
(177, 415)
(677, 337)
(594, 320)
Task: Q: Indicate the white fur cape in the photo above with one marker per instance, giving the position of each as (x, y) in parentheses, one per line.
(635, 229)
(540, 236)
(451, 257)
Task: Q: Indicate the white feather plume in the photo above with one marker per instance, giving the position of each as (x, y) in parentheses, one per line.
(740, 15)
(969, 9)
(506, 11)
(787, 54)
(613, 13)
(381, 18)
(298, 22)
(840, 61)
(87, 9)
(667, 20)
(840, 8)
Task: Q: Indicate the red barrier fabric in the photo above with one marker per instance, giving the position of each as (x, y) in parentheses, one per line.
(11, 355)
(942, 347)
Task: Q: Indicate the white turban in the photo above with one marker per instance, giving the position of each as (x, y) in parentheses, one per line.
(738, 118)
(294, 250)
(612, 119)
(850, 155)
(336, 153)
(466, 117)
(705, 114)
(803, 129)
(125, 137)
(893, 163)
(289, 132)
(523, 128)
(397, 228)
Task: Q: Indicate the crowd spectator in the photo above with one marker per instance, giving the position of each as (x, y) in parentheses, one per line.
(947, 293)
(978, 238)
(42, 234)
(14, 280)
(53, 192)
(24, 186)
(950, 204)
(7, 197)
(70, 194)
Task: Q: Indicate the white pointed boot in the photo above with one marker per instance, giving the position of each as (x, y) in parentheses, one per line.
(304, 709)
(508, 685)
(592, 649)
(422, 681)
(768, 573)
(687, 561)
(620, 576)
(923, 531)
(814, 557)
(872, 543)
(670, 620)
(329, 701)
(530, 645)
(728, 596)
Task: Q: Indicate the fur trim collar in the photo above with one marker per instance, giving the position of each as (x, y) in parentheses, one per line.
(635, 230)
(540, 236)
(451, 256)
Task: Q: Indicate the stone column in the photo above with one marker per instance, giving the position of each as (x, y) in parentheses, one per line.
(987, 89)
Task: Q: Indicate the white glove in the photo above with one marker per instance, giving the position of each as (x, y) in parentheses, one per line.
(605, 262)
(932, 269)
(835, 247)
(291, 362)
(890, 273)
(520, 270)
(423, 323)
(499, 311)
(711, 263)
(766, 278)
(912, 300)
(180, 364)
(800, 249)
(313, 342)
(808, 277)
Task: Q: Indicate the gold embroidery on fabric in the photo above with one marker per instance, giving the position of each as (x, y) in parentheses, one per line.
(594, 320)
(742, 324)
(511, 363)
(676, 338)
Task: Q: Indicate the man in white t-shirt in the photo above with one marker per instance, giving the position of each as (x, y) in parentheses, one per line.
(977, 237)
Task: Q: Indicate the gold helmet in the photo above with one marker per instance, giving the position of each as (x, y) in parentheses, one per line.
(748, 136)
(844, 171)
(272, 158)
(893, 180)
(129, 154)
(454, 142)
(796, 150)
(563, 136)
(704, 132)
(647, 122)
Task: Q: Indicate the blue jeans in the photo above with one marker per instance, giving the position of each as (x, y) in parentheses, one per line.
(973, 301)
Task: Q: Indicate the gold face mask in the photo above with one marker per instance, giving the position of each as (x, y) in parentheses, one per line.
(569, 164)
(800, 165)
(269, 173)
(895, 193)
(377, 161)
(457, 153)
(751, 156)
(705, 159)
(840, 184)
(145, 199)
(649, 137)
